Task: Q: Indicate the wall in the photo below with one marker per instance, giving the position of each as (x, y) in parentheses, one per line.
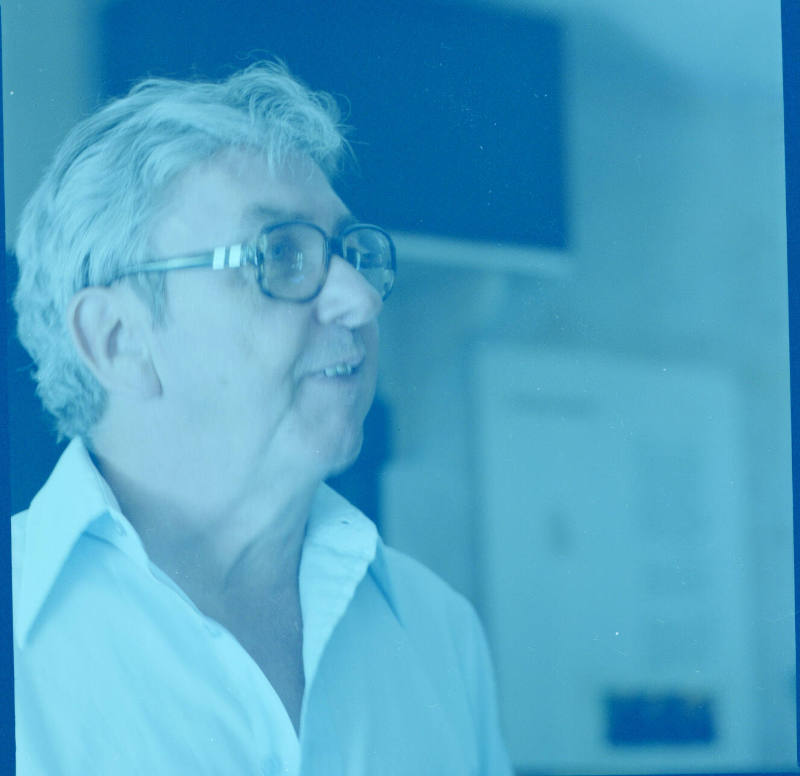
(49, 84)
(677, 255)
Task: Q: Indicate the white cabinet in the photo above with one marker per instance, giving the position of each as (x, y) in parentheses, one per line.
(615, 572)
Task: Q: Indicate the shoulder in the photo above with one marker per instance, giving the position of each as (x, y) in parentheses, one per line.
(18, 535)
(18, 529)
(412, 578)
(426, 604)
(450, 640)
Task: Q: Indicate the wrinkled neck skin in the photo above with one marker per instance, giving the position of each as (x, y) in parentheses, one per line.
(224, 529)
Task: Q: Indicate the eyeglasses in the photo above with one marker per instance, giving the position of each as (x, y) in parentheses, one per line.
(293, 258)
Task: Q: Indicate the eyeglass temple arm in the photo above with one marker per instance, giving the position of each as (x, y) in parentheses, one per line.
(220, 258)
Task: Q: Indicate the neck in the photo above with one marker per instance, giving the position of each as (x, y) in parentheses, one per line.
(219, 538)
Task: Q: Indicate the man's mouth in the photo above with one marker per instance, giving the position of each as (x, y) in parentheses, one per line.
(340, 370)
(337, 362)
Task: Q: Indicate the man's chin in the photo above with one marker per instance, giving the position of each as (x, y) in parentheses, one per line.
(345, 456)
(330, 443)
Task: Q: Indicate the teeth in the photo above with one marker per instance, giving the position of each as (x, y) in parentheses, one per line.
(339, 370)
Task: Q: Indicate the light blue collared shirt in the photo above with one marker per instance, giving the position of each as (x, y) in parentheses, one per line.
(117, 672)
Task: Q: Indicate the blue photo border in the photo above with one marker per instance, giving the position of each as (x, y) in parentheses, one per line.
(790, 19)
(7, 748)
(790, 33)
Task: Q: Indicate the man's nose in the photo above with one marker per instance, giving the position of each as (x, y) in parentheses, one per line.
(347, 296)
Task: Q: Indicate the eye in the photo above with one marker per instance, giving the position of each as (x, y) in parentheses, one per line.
(286, 253)
(292, 259)
(287, 250)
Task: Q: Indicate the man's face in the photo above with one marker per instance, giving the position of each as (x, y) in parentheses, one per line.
(243, 375)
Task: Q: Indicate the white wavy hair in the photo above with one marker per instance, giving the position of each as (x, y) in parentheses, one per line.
(90, 217)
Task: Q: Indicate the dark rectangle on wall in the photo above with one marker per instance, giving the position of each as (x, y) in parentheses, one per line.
(647, 719)
(457, 110)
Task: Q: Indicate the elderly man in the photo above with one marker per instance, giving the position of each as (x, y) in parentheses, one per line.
(189, 597)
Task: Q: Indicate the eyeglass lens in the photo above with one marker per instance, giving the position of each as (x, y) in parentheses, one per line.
(292, 261)
(370, 252)
(292, 258)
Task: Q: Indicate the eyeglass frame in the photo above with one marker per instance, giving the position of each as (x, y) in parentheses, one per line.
(245, 254)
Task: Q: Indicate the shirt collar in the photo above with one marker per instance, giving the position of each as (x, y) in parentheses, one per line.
(337, 524)
(341, 546)
(74, 496)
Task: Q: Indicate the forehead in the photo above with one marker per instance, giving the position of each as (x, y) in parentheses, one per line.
(228, 198)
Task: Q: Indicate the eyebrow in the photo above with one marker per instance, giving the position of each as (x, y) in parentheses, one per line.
(262, 215)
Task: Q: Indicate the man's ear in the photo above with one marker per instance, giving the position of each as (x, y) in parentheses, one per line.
(107, 329)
